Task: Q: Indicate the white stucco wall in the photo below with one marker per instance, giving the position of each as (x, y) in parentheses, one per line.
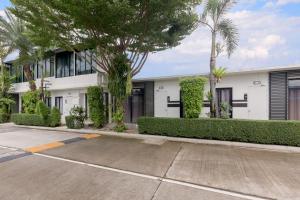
(255, 85)
(65, 83)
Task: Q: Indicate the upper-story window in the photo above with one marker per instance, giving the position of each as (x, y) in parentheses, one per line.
(64, 64)
(32, 69)
(83, 63)
(45, 68)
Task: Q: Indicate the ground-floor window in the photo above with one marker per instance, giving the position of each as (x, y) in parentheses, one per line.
(48, 102)
(59, 104)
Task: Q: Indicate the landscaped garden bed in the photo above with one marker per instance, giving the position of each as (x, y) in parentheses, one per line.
(252, 131)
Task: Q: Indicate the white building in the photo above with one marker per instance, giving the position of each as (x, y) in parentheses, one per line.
(263, 93)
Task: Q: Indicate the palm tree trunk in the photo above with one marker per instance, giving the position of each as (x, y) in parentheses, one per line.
(214, 110)
(29, 77)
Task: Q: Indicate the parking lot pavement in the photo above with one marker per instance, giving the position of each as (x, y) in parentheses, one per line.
(257, 172)
(25, 138)
(148, 157)
(34, 177)
(111, 167)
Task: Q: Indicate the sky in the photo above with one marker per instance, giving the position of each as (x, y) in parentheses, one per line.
(269, 36)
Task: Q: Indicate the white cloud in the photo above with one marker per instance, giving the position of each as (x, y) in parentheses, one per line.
(284, 2)
(267, 38)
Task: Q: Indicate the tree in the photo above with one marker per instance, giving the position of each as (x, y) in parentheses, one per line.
(214, 17)
(12, 37)
(5, 84)
(131, 28)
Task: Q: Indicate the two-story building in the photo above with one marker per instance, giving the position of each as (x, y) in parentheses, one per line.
(261, 93)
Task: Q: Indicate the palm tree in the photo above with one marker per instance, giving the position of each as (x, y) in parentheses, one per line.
(13, 37)
(214, 17)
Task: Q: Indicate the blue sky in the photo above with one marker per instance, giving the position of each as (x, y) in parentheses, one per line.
(269, 36)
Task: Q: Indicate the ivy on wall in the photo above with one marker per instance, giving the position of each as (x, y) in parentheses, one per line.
(192, 91)
(96, 106)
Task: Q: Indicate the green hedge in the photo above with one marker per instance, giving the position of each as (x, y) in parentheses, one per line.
(252, 131)
(4, 118)
(29, 120)
(73, 123)
(96, 105)
(51, 120)
(192, 90)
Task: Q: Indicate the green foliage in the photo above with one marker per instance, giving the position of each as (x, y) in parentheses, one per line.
(118, 78)
(113, 26)
(42, 109)
(4, 117)
(13, 37)
(96, 106)
(192, 95)
(219, 73)
(55, 117)
(225, 110)
(6, 82)
(118, 118)
(252, 131)
(28, 120)
(30, 100)
(72, 123)
(76, 118)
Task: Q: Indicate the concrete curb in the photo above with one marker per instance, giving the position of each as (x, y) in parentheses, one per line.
(277, 148)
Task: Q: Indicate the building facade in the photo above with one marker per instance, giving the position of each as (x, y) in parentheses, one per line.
(262, 94)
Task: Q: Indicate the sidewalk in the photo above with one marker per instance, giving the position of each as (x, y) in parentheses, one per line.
(277, 148)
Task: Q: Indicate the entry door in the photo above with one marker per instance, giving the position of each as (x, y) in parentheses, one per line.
(294, 103)
(225, 96)
(137, 106)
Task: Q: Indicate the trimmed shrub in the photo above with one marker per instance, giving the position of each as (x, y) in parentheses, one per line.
(42, 109)
(4, 118)
(72, 122)
(252, 131)
(96, 106)
(29, 101)
(28, 119)
(55, 117)
(192, 90)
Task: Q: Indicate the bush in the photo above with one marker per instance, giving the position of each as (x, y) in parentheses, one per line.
(72, 123)
(253, 131)
(42, 109)
(192, 90)
(28, 119)
(76, 118)
(4, 118)
(29, 101)
(96, 106)
(55, 117)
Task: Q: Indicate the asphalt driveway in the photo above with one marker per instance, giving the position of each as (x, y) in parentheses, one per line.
(106, 167)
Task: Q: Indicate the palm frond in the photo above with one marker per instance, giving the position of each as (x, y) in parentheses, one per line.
(230, 35)
(219, 73)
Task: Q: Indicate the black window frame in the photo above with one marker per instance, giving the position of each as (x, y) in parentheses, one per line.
(59, 105)
(64, 71)
(83, 67)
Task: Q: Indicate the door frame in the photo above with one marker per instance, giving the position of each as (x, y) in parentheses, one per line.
(231, 98)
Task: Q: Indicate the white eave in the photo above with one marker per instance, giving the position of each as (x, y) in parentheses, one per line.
(229, 72)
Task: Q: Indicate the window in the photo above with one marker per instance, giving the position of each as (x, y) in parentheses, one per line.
(64, 64)
(45, 68)
(83, 62)
(59, 104)
(32, 68)
(40, 69)
(16, 72)
(48, 102)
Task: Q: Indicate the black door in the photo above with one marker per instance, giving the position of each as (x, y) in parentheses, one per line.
(134, 106)
(225, 96)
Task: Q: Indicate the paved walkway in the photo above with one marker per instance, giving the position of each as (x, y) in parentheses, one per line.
(105, 167)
